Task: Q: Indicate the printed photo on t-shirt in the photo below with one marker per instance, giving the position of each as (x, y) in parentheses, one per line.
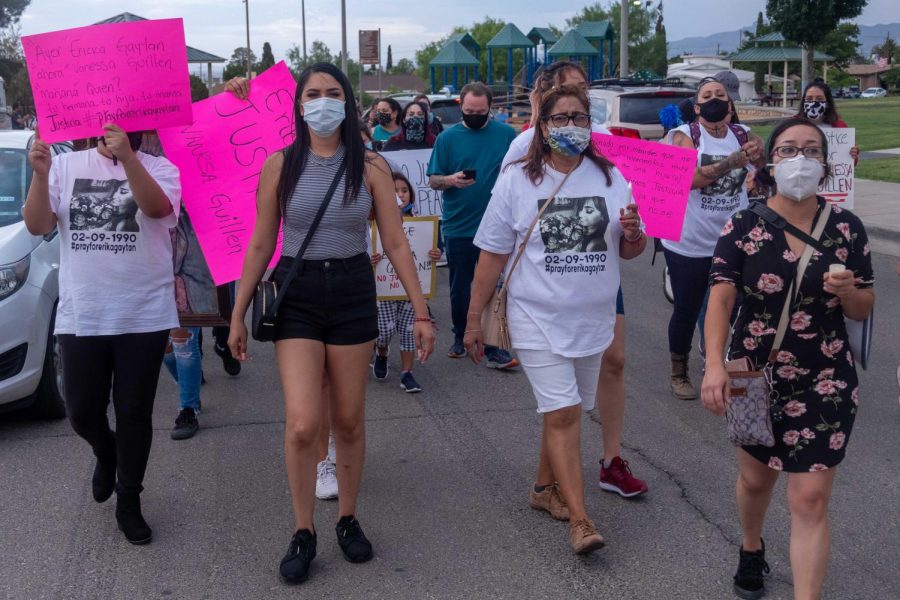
(728, 184)
(106, 205)
(574, 225)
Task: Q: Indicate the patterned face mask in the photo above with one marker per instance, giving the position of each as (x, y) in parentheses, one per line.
(814, 110)
(569, 140)
(415, 129)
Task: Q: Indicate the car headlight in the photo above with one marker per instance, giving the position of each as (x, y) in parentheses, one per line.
(13, 277)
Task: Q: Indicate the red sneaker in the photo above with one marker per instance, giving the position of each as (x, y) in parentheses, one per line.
(618, 478)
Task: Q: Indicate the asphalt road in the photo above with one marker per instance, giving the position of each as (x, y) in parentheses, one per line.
(445, 492)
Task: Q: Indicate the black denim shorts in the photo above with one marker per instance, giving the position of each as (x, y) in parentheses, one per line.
(332, 301)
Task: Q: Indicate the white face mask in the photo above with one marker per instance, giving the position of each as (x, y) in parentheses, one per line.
(324, 115)
(798, 178)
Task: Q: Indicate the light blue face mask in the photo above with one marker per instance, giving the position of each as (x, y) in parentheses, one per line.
(324, 115)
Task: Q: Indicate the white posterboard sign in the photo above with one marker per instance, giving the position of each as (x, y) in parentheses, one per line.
(414, 165)
(838, 188)
(422, 233)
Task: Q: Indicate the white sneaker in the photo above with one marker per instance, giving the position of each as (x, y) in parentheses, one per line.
(326, 481)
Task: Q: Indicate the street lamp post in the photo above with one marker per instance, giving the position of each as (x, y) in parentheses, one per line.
(344, 36)
(623, 39)
(247, 17)
(303, 23)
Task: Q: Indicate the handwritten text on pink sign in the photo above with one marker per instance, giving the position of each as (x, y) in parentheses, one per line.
(660, 177)
(132, 74)
(220, 157)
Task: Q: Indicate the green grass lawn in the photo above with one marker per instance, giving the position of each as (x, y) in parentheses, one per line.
(876, 120)
(882, 169)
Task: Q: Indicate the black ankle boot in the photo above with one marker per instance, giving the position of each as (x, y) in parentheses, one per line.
(104, 481)
(130, 519)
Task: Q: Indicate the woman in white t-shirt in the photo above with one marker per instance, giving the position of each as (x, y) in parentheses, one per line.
(724, 150)
(562, 295)
(114, 207)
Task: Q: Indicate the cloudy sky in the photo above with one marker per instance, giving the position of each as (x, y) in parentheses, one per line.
(217, 26)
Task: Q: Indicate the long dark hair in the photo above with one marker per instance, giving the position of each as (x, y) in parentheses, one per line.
(296, 154)
(831, 116)
(539, 150)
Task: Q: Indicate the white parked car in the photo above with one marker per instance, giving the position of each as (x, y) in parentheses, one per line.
(873, 93)
(30, 369)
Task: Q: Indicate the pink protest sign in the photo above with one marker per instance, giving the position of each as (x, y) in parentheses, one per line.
(132, 74)
(220, 157)
(660, 177)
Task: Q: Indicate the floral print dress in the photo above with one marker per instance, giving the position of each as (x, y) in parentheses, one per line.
(814, 374)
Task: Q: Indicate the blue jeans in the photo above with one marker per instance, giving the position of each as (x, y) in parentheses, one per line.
(184, 363)
(462, 256)
(690, 280)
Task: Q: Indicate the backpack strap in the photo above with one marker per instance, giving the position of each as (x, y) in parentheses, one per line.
(740, 133)
(695, 133)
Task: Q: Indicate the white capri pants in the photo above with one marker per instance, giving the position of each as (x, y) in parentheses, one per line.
(559, 381)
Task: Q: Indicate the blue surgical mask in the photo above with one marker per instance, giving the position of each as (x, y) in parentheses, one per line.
(430, 118)
(369, 146)
(570, 140)
(324, 115)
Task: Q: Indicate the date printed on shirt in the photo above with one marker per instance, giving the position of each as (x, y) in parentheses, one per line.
(103, 216)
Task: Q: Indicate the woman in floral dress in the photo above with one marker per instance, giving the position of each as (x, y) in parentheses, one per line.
(814, 372)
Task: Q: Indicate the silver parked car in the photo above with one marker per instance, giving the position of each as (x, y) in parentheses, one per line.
(30, 371)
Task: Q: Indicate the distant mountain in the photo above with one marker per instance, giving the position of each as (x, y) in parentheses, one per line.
(728, 41)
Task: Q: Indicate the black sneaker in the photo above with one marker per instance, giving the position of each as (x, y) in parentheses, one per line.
(231, 365)
(294, 566)
(186, 424)
(352, 540)
(748, 581)
(379, 367)
(409, 384)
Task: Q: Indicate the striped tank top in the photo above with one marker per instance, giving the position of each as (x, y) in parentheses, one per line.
(342, 231)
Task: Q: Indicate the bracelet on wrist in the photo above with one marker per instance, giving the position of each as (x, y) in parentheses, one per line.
(472, 331)
(635, 240)
(422, 320)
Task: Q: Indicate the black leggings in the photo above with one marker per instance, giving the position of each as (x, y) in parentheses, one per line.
(128, 364)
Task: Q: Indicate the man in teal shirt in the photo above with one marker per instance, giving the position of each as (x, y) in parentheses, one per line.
(465, 164)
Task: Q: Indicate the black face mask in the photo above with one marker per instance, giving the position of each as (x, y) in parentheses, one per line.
(415, 129)
(135, 140)
(475, 121)
(383, 118)
(714, 110)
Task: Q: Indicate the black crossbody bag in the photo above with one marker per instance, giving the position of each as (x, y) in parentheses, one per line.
(858, 332)
(268, 297)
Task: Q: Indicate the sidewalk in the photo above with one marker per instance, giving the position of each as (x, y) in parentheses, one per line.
(877, 203)
(888, 153)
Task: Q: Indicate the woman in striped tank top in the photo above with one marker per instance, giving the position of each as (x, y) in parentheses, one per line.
(327, 324)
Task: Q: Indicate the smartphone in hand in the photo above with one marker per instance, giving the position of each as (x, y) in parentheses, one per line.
(469, 173)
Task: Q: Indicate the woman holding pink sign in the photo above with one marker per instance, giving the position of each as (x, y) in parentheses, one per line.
(724, 151)
(327, 325)
(114, 207)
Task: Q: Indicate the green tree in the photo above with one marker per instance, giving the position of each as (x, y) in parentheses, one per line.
(404, 66)
(763, 27)
(808, 22)
(891, 79)
(237, 66)
(12, 67)
(268, 59)
(199, 91)
(643, 48)
(660, 49)
(389, 65)
(842, 43)
(888, 49)
(11, 10)
(425, 54)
